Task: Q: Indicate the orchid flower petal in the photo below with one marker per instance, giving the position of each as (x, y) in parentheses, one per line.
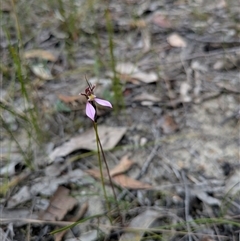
(103, 102)
(90, 111)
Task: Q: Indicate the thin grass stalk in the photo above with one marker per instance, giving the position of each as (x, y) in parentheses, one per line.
(118, 98)
(101, 169)
(17, 63)
(108, 171)
(17, 25)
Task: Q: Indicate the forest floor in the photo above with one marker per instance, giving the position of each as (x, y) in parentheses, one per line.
(171, 70)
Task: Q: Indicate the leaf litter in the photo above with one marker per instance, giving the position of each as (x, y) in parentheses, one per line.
(60, 204)
(141, 223)
(182, 96)
(39, 53)
(119, 178)
(176, 40)
(109, 136)
(133, 72)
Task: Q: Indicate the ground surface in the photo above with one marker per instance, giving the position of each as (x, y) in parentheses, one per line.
(176, 137)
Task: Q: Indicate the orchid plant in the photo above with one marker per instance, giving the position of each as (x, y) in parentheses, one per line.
(91, 100)
(91, 112)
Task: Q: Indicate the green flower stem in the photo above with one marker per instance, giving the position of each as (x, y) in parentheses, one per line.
(108, 172)
(101, 169)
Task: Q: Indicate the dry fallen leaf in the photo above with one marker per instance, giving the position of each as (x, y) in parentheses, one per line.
(233, 184)
(41, 71)
(205, 198)
(96, 173)
(70, 99)
(128, 78)
(141, 222)
(168, 125)
(47, 185)
(146, 96)
(126, 68)
(21, 196)
(118, 178)
(60, 204)
(123, 166)
(109, 137)
(146, 77)
(161, 21)
(185, 91)
(127, 182)
(91, 235)
(176, 40)
(39, 53)
(9, 169)
(133, 72)
(75, 218)
(55, 169)
(138, 23)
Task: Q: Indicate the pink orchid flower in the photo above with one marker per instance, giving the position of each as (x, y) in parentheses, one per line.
(91, 99)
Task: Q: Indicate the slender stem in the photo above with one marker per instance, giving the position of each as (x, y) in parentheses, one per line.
(108, 172)
(19, 37)
(118, 97)
(101, 169)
